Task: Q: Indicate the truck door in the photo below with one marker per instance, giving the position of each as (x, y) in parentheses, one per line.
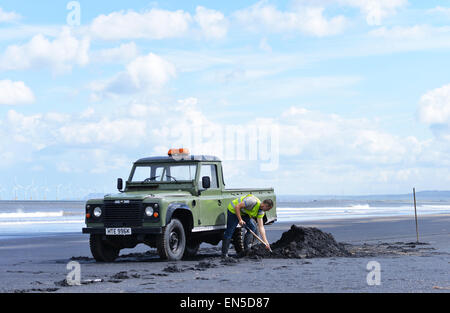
(212, 208)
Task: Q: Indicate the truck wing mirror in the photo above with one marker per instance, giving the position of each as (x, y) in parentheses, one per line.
(206, 182)
(120, 184)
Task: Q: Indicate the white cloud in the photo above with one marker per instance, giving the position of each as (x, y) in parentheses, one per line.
(12, 93)
(147, 73)
(150, 70)
(188, 102)
(435, 106)
(378, 147)
(306, 20)
(105, 161)
(439, 10)
(376, 10)
(101, 161)
(25, 32)
(332, 138)
(87, 113)
(264, 45)
(132, 126)
(315, 146)
(29, 135)
(59, 54)
(212, 23)
(8, 16)
(287, 87)
(54, 117)
(406, 38)
(29, 131)
(104, 131)
(409, 32)
(138, 110)
(124, 53)
(153, 24)
(160, 24)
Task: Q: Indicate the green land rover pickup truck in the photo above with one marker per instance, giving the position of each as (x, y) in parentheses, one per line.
(171, 203)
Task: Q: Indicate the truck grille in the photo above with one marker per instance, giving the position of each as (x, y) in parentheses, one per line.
(125, 213)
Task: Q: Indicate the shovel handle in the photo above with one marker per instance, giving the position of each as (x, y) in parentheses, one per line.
(257, 237)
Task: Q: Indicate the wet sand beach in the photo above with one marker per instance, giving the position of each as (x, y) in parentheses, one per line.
(38, 264)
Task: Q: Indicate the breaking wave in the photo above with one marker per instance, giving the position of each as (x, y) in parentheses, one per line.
(354, 211)
(19, 214)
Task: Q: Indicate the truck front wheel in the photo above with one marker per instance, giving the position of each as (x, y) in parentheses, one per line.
(101, 250)
(172, 242)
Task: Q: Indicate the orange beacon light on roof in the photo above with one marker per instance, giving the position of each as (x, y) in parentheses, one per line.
(178, 151)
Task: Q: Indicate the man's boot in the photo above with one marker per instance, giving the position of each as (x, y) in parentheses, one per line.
(225, 247)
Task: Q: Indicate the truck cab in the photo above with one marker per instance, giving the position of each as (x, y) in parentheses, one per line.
(172, 203)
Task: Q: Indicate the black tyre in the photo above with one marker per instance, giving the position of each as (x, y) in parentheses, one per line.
(101, 250)
(252, 240)
(238, 240)
(172, 242)
(191, 249)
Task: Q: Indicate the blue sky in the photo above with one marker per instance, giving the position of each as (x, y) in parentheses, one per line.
(358, 91)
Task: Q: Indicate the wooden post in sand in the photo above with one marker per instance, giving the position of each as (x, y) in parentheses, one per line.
(415, 213)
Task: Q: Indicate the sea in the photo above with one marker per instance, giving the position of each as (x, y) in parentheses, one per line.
(43, 218)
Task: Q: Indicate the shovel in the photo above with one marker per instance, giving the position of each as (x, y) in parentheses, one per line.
(257, 237)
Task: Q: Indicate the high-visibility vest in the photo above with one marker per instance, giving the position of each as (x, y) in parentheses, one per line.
(253, 212)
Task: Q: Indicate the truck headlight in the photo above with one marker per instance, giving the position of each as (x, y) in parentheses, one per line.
(149, 211)
(97, 212)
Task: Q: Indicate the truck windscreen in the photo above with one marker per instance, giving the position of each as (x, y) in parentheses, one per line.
(160, 172)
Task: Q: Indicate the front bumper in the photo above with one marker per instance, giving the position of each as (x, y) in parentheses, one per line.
(134, 230)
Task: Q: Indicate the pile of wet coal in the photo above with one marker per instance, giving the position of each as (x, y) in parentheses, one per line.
(302, 242)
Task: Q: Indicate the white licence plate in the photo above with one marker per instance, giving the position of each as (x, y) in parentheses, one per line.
(118, 231)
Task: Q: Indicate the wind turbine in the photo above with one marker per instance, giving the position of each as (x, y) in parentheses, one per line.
(1, 191)
(46, 190)
(35, 190)
(58, 187)
(15, 193)
(16, 188)
(68, 191)
(79, 193)
(28, 189)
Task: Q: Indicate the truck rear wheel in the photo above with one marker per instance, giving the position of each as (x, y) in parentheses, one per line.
(101, 250)
(172, 242)
(238, 240)
(191, 249)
